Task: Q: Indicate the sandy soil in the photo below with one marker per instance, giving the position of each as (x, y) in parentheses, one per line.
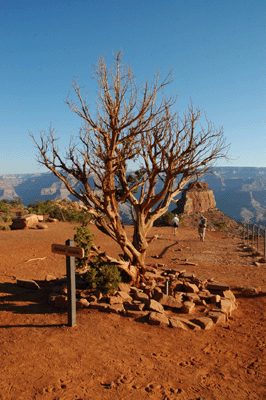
(107, 356)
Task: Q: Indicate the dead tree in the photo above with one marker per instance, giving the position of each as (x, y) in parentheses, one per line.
(131, 124)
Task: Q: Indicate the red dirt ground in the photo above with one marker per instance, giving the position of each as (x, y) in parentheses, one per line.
(107, 356)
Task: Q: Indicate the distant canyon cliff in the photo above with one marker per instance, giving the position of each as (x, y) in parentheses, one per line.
(240, 192)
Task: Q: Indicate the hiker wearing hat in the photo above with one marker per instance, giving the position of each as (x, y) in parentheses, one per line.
(175, 222)
(202, 227)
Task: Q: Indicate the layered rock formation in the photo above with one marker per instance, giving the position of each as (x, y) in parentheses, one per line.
(196, 198)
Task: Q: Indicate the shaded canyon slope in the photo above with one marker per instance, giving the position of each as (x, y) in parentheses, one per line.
(240, 192)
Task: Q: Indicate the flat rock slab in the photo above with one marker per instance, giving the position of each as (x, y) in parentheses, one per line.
(190, 287)
(217, 316)
(135, 306)
(170, 301)
(190, 324)
(117, 308)
(155, 306)
(158, 319)
(227, 305)
(188, 307)
(156, 277)
(99, 306)
(176, 322)
(204, 322)
(217, 286)
(136, 314)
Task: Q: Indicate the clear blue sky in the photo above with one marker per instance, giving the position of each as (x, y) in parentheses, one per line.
(216, 49)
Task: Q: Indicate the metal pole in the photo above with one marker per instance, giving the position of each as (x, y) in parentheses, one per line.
(248, 234)
(258, 237)
(243, 233)
(71, 286)
(167, 287)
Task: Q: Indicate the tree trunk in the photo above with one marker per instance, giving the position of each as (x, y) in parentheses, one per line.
(140, 243)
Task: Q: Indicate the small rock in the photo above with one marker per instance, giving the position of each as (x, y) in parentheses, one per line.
(50, 278)
(170, 301)
(227, 305)
(175, 322)
(188, 307)
(217, 316)
(215, 299)
(41, 226)
(116, 300)
(99, 306)
(156, 318)
(143, 297)
(152, 276)
(155, 306)
(191, 287)
(190, 324)
(217, 286)
(135, 306)
(136, 314)
(124, 296)
(82, 303)
(204, 322)
(124, 287)
(117, 308)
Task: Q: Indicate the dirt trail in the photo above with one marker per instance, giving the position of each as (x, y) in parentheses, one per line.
(107, 356)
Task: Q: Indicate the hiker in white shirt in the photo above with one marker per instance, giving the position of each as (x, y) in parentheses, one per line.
(175, 222)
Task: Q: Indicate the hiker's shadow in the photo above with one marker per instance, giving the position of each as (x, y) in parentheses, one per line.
(18, 300)
(167, 248)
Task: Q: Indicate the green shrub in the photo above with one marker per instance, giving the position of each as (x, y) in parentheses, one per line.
(83, 239)
(4, 206)
(101, 275)
(104, 276)
(4, 227)
(7, 217)
(220, 225)
(16, 203)
(66, 213)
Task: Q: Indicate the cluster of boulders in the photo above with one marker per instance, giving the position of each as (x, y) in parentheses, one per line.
(174, 298)
(31, 221)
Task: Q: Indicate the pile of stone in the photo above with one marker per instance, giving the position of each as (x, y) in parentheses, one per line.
(169, 297)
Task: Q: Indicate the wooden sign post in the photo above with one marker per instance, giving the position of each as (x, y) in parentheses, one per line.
(70, 252)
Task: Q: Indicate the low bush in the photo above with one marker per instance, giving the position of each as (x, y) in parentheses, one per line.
(220, 225)
(66, 212)
(4, 227)
(103, 276)
(83, 239)
(4, 206)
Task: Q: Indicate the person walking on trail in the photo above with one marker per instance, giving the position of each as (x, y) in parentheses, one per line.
(202, 227)
(175, 222)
